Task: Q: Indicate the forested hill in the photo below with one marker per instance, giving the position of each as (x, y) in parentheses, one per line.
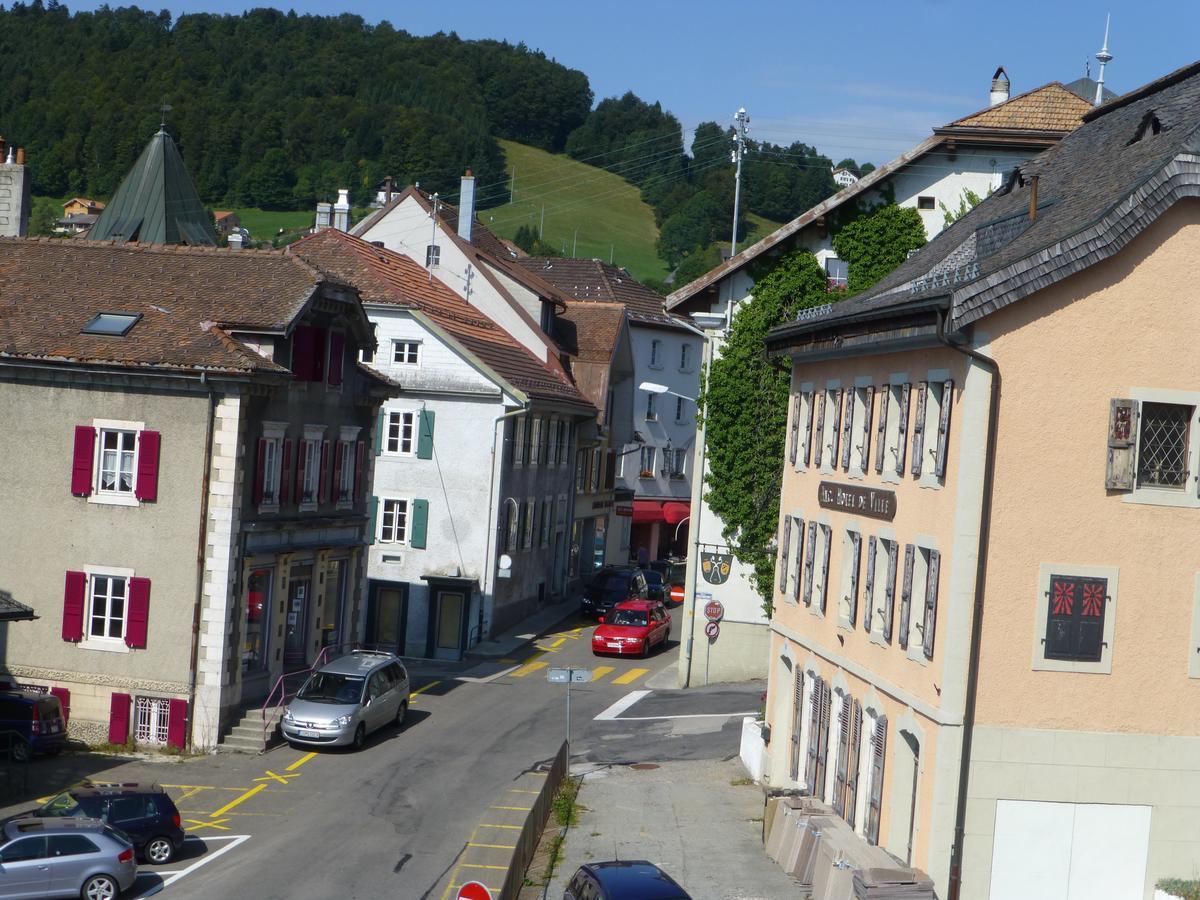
(271, 109)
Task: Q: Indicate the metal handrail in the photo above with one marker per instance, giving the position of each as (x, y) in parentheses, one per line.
(270, 720)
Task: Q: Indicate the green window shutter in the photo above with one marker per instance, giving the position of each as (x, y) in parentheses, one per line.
(420, 524)
(425, 434)
(373, 514)
(380, 427)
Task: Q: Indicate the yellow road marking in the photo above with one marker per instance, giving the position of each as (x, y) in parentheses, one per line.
(490, 825)
(559, 642)
(630, 676)
(600, 671)
(494, 846)
(282, 779)
(301, 761)
(423, 688)
(482, 866)
(215, 823)
(522, 791)
(236, 800)
(192, 791)
(509, 659)
(494, 890)
(517, 808)
(528, 668)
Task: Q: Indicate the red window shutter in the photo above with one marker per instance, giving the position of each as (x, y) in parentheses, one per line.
(146, 487)
(317, 372)
(300, 455)
(64, 697)
(285, 478)
(138, 619)
(72, 624)
(118, 718)
(81, 464)
(302, 353)
(337, 344)
(335, 487)
(323, 479)
(260, 472)
(177, 718)
(360, 456)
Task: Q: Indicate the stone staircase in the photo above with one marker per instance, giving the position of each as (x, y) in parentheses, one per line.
(247, 735)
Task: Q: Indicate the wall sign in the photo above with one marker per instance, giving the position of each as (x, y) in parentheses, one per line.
(872, 502)
(715, 566)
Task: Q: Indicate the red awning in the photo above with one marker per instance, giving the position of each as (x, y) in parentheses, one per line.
(675, 512)
(646, 511)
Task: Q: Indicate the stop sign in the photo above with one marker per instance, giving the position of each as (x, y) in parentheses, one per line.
(714, 611)
(473, 890)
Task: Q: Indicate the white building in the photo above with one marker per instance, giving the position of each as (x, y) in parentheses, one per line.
(969, 154)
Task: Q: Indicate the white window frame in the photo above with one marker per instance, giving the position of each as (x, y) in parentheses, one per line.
(273, 433)
(433, 256)
(934, 390)
(152, 716)
(1041, 610)
(345, 489)
(651, 407)
(311, 443)
(892, 429)
(399, 532)
(847, 563)
(655, 354)
(118, 497)
(805, 429)
(406, 347)
(829, 396)
(113, 644)
(922, 544)
(1189, 496)
(403, 420)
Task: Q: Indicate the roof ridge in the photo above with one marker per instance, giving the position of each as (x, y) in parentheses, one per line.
(1146, 90)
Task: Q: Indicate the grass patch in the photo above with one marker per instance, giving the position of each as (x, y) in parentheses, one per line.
(608, 211)
(741, 782)
(1187, 889)
(555, 856)
(566, 809)
(264, 224)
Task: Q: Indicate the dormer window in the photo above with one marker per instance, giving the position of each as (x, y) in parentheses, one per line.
(111, 324)
(1149, 124)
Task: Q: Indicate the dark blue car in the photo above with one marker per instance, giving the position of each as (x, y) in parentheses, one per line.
(31, 722)
(626, 879)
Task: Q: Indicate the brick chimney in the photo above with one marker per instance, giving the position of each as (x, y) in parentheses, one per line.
(1000, 87)
(341, 210)
(14, 193)
(466, 206)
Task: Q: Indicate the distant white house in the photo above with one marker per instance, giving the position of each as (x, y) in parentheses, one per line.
(844, 177)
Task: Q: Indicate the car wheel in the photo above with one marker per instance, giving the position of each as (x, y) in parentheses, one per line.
(401, 713)
(645, 648)
(159, 851)
(100, 887)
(21, 751)
(360, 737)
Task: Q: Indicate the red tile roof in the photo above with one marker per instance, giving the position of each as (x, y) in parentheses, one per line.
(590, 280)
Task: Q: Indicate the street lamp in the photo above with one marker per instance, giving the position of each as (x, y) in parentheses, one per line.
(651, 387)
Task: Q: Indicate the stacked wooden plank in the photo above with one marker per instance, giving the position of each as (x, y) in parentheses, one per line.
(892, 884)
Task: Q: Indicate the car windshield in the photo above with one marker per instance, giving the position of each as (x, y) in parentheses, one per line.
(613, 584)
(330, 687)
(629, 617)
(62, 805)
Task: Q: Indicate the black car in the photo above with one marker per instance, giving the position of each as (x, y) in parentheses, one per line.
(626, 879)
(613, 585)
(31, 722)
(145, 813)
(656, 587)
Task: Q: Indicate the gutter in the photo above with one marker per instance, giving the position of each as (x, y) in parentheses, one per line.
(201, 541)
(985, 522)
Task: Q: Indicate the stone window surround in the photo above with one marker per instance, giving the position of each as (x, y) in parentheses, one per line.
(1041, 614)
(1189, 497)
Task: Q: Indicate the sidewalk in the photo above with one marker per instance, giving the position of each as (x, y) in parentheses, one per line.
(697, 820)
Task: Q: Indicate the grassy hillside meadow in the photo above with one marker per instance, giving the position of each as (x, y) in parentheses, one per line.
(598, 213)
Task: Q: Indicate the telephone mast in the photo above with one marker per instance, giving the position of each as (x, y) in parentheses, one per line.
(741, 123)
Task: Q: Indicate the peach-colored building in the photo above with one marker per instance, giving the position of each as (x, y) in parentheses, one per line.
(986, 641)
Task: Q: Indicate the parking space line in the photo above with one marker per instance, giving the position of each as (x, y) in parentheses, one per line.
(236, 800)
(522, 791)
(517, 808)
(482, 866)
(490, 825)
(423, 688)
(301, 761)
(631, 676)
(528, 668)
(493, 846)
(600, 671)
(234, 841)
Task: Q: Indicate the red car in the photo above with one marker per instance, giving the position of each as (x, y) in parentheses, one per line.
(633, 627)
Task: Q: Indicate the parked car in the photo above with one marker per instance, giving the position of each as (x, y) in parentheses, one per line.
(64, 857)
(656, 587)
(633, 627)
(613, 585)
(31, 722)
(347, 699)
(626, 879)
(143, 812)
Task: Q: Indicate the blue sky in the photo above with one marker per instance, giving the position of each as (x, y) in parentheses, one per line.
(866, 81)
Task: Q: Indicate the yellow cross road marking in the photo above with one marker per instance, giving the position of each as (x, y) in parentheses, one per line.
(301, 761)
(282, 779)
(490, 825)
(600, 671)
(482, 866)
(215, 823)
(630, 676)
(423, 688)
(493, 846)
(191, 792)
(528, 668)
(236, 800)
(517, 808)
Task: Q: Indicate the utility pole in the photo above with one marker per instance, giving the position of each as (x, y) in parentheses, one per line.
(741, 121)
(575, 243)
(542, 224)
(433, 216)
(512, 185)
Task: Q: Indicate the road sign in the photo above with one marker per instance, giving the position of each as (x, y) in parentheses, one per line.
(712, 629)
(623, 510)
(473, 890)
(677, 593)
(714, 611)
(563, 676)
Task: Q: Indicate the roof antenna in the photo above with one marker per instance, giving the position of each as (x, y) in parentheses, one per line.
(164, 109)
(1105, 58)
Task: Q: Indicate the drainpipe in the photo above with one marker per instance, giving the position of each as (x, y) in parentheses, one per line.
(489, 572)
(202, 540)
(985, 523)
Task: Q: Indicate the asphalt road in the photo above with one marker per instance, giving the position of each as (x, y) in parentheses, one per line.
(392, 820)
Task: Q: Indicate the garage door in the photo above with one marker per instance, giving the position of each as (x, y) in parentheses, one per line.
(1069, 851)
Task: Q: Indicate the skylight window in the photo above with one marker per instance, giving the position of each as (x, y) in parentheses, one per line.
(111, 324)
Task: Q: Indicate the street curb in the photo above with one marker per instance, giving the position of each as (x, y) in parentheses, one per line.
(534, 633)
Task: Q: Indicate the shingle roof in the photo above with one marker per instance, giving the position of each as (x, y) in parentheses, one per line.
(12, 611)
(590, 331)
(593, 279)
(50, 289)
(1050, 107)
(1098, 188)
(382, 276)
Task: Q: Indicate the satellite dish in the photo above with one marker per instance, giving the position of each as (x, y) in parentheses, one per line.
(505, 561)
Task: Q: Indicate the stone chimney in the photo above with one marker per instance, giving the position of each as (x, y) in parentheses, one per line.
(999, 87)
(14, 193)
(466, 206)
(324, 215)
(341, 210)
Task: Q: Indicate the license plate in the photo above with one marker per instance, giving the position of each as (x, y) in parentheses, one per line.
(614, 646)
(308, 733)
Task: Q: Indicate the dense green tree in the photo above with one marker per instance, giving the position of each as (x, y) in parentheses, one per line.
(696, 224)
(696, 264)
(876, 243)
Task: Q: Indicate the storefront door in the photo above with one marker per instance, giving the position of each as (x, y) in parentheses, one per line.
(388, 614)
(451, 608)
(295, 643)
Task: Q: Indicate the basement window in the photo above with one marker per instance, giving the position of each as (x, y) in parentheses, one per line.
(925, 203)
(111, 324)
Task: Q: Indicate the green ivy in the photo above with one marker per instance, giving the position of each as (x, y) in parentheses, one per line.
(876, 243)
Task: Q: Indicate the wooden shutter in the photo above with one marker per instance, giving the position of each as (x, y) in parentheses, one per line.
(825, 566)
(814, 740)
(64, 699)
(918, 442)
(902, 431)
(797, 707)
(372, 519)
(260, 471)
(83, 458)
(809, 559)
(944, 428)
(885, 393)
(848, 426)
(360, 468)
(335, 486)
(869, 589)
(118, 718)
(843, 757)
(864, 450)
(1075, 618)
(74, 594)
(285, 472)
(177, 717)
(323, 474)
(821, 400)
(319, 340)
(808, 427)
(796, 576)
(889, 593)
(783, 556)
(855, 559)
(425, 435)
(852, 769)
(146, 486)
(931, 595)
(906, 594)
(1122, 435)
(137, 620)
(337, 344)
(381, 424)
(875, 805)
(835, 433)
(303, 352)
(823, 739)
(794, 434)
(419, 526)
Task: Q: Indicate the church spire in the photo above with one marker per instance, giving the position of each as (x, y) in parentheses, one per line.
(1105, 58)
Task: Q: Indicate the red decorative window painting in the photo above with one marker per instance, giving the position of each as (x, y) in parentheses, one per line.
(1075, 618)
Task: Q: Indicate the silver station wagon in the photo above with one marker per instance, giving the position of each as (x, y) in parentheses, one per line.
(347, 699)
